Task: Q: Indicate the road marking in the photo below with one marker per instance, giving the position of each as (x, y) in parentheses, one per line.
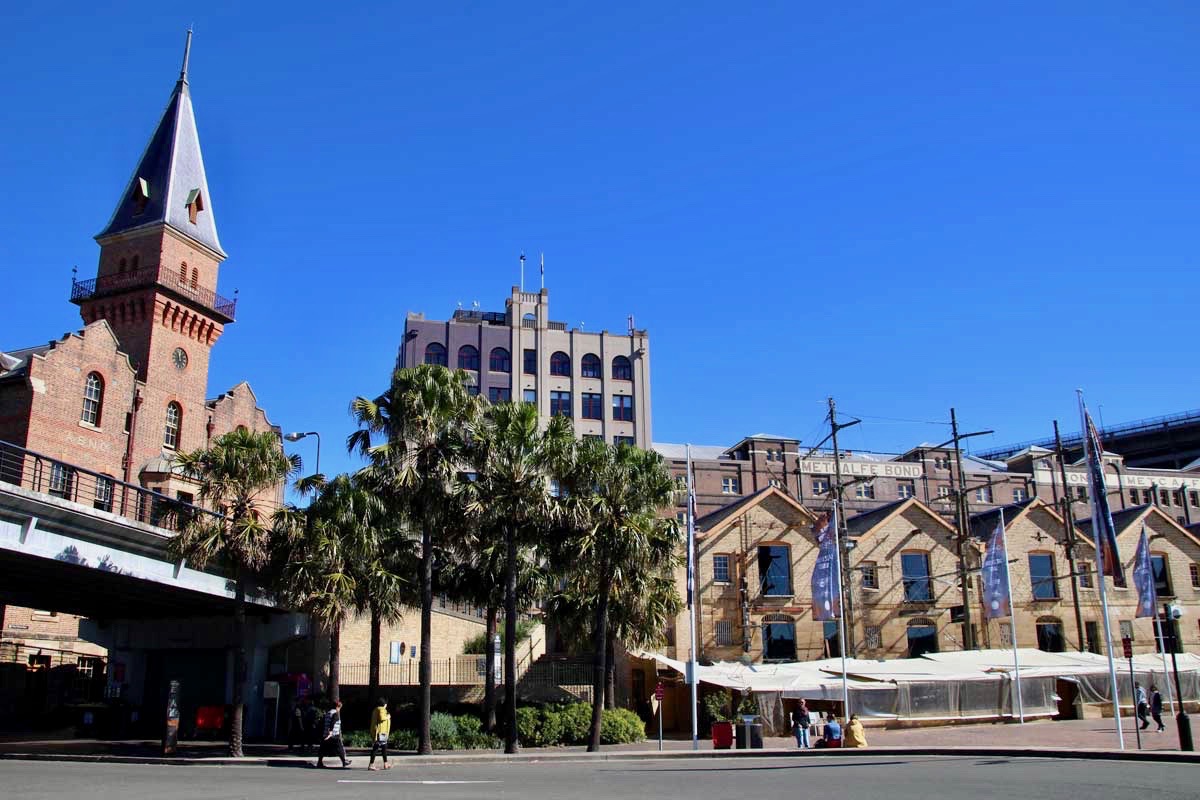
(421, 783)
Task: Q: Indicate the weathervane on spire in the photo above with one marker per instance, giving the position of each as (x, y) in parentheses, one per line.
(187, 50)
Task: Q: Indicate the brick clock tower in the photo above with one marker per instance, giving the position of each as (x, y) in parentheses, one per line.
(156, 289)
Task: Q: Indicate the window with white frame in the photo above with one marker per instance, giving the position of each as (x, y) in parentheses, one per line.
(730, 485)
(1020, 495)
(983, 494)
(1085, 574)
(820, 485)
(943, 491)
(870, 574)
(905, 489)
(865, 491)
(721, 568)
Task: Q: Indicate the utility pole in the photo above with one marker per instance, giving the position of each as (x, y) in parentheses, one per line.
(844, 555)
(1069, 529)
(960, 495)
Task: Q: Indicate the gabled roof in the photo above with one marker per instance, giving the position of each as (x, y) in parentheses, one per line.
(862, 524)
(983, 523)
(712, 521)
(1128, 518)
(15, 363)
(169, 176)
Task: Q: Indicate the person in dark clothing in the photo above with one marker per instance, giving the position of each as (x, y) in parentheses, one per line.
(801, 720)
(1140, 704)
(332, 743)
(299, 735)
(1156, 707)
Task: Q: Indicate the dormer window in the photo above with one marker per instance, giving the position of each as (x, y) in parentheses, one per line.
(195, 204)
(141, 195)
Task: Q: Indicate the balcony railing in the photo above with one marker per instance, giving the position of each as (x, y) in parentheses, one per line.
(40, 473)
(151, 276)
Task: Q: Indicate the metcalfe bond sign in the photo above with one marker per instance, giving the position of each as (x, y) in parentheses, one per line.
(862, 469)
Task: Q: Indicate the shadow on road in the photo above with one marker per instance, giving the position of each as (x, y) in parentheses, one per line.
(760, 768)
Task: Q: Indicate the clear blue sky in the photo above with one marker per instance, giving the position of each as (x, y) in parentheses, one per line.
(907, 206)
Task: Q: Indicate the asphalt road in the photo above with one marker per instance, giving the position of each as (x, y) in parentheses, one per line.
(876, 778)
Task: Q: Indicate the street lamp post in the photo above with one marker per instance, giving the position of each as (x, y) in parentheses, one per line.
(297, 436)
(1184, 725)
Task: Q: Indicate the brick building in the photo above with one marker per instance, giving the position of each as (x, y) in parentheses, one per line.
(118, 398)
(600, 380)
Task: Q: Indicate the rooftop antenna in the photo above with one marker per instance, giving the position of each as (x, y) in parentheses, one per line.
(187, 50)
(631, 328)
(543, 266)
(580, 324)
(460, 305)
(475, 304)
(522, 272)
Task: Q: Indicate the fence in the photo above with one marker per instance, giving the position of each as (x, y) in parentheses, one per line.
(462, 670)
(41, 473)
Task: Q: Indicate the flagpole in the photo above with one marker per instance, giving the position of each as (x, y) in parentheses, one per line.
(837, 548)
(1097, 527)
(522, 272)
(691, 591)
(1162, 650)
(1143, 577)
(1012, 615)
(543, 269)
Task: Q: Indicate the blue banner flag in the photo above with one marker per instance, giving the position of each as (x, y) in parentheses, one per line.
(1102, 523)
(1143, 579)
(996, 599)
(826, 576)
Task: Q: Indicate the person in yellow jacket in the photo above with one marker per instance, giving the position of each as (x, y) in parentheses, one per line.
(381, 727)
(854, 736)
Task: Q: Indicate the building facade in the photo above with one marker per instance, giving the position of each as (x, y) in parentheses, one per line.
(755, 559)
(600, 380)
(119, 398)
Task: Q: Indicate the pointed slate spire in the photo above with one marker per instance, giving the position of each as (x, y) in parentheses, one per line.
(169, 185)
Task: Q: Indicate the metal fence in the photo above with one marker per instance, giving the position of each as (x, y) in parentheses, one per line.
(41, 473)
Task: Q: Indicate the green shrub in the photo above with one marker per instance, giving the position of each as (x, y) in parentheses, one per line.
(443, 731)
(404, 739)
(528, 719)
(621, 726)
(717, 705)
(550, 730)
(357, 739)
(576, 722)
(479, 741)
(477, 645)
(468, 724)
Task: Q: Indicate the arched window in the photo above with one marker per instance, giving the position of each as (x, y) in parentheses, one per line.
(622, 370)
(121, 266)
(922, 637)
(499, 360)
(195, 277)
(435, 354)
(779, 638)
(590, 366)
(1050, 635)
(93, 398)
(183, 273)
(174, 419)
(468, 358)
(560, 364)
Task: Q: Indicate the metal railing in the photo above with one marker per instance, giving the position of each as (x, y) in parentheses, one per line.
(150, 276)
(462, 670)
(1070, 440)
(41, 473)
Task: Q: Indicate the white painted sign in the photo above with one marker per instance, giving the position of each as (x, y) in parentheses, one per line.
(1127, 480)
(869, 469)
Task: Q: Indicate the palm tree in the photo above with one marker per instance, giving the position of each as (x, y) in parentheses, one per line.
(337, 558)
(516, 468)
(613, 496)
(238, 476)
(415, 435)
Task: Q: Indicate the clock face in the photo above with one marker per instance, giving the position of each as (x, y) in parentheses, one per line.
(179, 357)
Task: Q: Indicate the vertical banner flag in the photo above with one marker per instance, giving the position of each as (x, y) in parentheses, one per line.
(1143, 579)
(996, 601)
(691, 531)
(826, 588)
(1102, 524)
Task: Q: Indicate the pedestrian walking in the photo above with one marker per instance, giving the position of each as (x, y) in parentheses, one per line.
(299, 735)
(381, 726)
(801, 721)
(1139, 699)
(332, 743)
(1156, 707)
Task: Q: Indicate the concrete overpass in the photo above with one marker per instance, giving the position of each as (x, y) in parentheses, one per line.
(82, 543)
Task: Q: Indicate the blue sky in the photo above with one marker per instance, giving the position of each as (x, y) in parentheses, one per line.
(905, 206)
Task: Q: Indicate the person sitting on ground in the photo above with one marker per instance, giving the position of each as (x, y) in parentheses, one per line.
(832, 736)
(855, 735)
(381, 727)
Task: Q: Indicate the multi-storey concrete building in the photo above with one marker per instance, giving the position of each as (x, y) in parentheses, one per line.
(600, 380)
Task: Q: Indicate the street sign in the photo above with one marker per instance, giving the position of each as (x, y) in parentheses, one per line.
(1127, 643)
(659, 691)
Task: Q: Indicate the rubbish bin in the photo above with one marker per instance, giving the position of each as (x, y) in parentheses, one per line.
(756, 735)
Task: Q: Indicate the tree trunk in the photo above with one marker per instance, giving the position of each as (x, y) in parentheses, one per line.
(373, 671)
(335, 660)
(236, 733)
(610, 672)
(510, 644)
(599, 642)
(424, 743)
(488, 717)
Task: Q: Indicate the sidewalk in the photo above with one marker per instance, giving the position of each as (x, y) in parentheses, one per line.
(1090, 737)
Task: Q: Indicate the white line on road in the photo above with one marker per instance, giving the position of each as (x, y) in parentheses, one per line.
(422, 783)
